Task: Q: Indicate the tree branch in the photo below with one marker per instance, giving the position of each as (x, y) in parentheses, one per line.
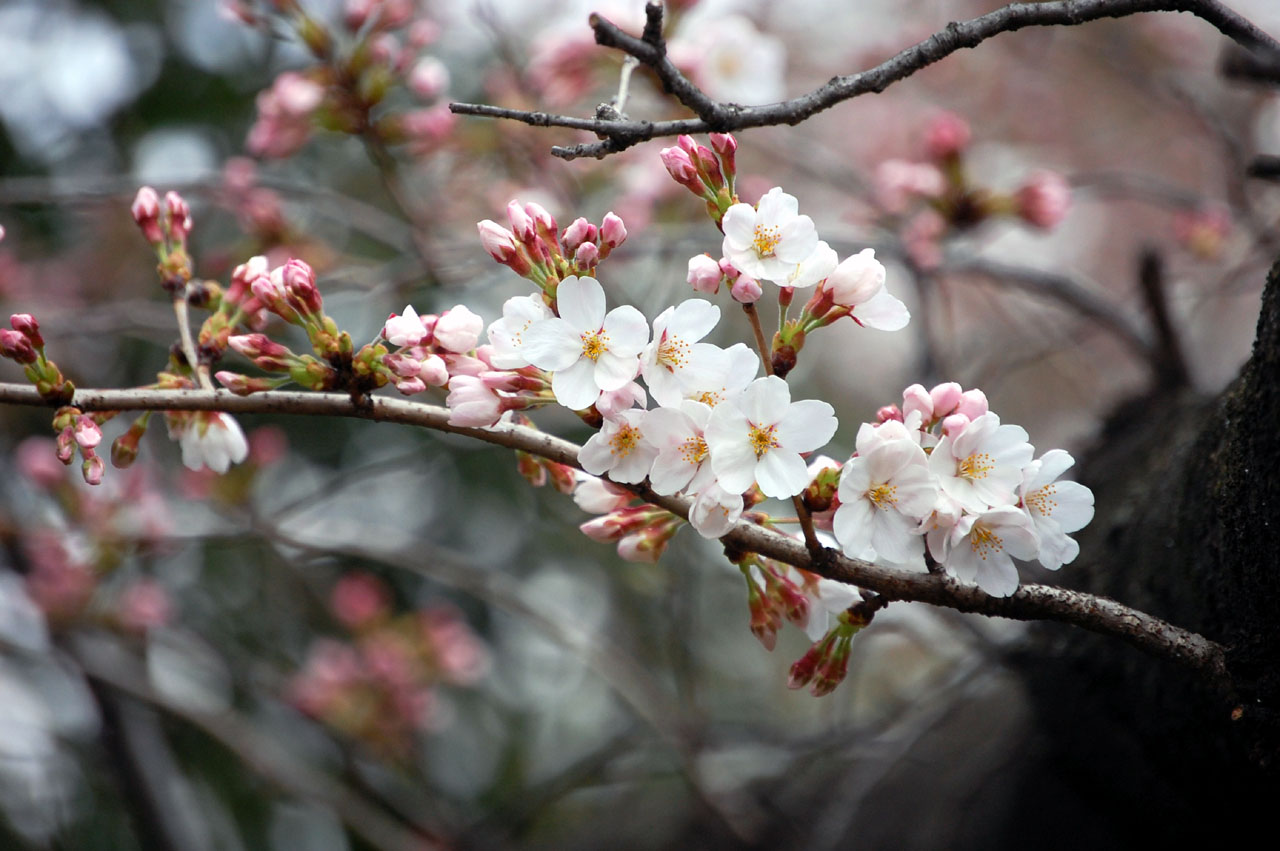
(618, 135)
(1029, 602)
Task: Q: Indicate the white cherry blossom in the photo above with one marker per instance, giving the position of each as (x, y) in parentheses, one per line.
(675, 358)
(980, 466)
(506, 335)
(984, 545)
(726, 378)
(858, 283)
(760, 435)
(683, 460)
(588, 350)
(714, 511)
(1055, 508)
(620, 448)
(769, 240)
(885, 492)
(214, 440)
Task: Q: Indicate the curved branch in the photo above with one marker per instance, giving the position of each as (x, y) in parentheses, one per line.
(1029, 602)
(618, 135)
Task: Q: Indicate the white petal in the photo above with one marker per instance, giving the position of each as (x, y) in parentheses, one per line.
(627, 330)
(552, 344)
(883, 312)
(807, 425)
(782, 474)
(853, 524)
(575, 387)
(580, 301)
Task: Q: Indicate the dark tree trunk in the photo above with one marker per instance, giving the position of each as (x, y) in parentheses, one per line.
(1128, 751)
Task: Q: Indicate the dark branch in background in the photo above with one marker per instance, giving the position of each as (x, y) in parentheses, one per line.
(713, 116)
(1265, 167)
(1029, 602)
(1167, 358)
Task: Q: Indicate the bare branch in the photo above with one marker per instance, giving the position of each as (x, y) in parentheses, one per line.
(617, 135)
(1029, 602)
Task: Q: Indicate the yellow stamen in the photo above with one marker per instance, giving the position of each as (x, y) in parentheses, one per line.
(977, 466)
(594, 344)
(884, 495)
(694, 450)
(625, 441)
(766, 240)
(762, 439)
(1042, 501)
(984, 541)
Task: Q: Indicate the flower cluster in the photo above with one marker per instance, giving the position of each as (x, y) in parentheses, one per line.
(943, 475)
(382, 686)
(371, 77)
(936, 195)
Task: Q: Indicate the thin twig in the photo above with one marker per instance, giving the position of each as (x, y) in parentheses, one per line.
(1029, 602)
(721, 117)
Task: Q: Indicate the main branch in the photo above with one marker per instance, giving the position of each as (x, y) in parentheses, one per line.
(1028, 603)
(618, 135)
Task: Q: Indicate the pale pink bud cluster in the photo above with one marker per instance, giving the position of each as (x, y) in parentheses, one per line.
(641, 531)
(166, 223)
(706, 172)
(533, 249)
(391, 669)
(283, 124)
(432, 348)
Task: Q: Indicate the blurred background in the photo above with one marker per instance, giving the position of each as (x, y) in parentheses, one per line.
(369, 636)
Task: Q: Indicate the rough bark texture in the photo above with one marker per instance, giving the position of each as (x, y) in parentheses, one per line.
(1128, 751)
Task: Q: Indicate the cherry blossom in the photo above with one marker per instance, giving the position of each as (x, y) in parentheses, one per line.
(714, 511)
(1055, 508)
(405, 329)
(506, 335)
(885, 491)
(674, 358)
(980, 466)
(683, 457)
(210, 439)
(858, 284)
(588, 350)
(983, 546)
(769, 240)
(760, 435)
(621, 449)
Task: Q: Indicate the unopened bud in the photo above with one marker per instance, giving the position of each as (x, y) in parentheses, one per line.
(612, 230)
(93, 468)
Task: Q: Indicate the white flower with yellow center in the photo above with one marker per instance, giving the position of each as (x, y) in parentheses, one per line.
(760, 435)
(588, 351)
(983, 547)
(980, 466)
(506, 335)
(1055, 508)
(885, 492)
(621, 449)
(770, 240)
(675, 359)
(683, 461)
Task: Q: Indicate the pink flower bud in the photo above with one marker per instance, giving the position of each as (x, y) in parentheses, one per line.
(729, 270)
(243, 385)
(66, 445)
(704, 274)
(916, 399)
(1044, 199)
(299, 281)
(359, 599)
(410, 386)
(746, 290)
(641, 548)
(423, 32)
(954, 424)
(179, 216)
(973, 404)
(255, 346)
(681, 168)
(947, 135)
(587, 256)
(458, 329)
(727, 147)
(471, 403)
(545, 221)
(612, 230)
(433, 371)
(88, 435)
(499, 242)
(17, 347)
(522, 224)
(945, 398)
(26, 325)
(146, 212)
(898, 181)
(404, 330)
(429, 78)
(888, 412)
(93, 469)
(577, 233)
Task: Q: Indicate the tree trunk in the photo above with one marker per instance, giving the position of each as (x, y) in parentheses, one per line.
(1128, 751)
